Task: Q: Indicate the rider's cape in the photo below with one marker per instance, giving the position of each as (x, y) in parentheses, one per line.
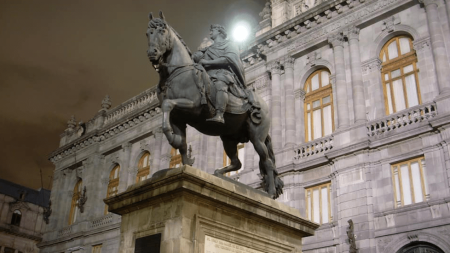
(233, 77)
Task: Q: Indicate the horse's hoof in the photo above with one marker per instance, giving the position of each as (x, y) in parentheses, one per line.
(218, 172)
(190, 161)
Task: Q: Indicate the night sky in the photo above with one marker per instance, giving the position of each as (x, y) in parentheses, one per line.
(60, 58)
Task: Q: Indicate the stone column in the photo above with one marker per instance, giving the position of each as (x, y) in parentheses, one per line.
(359, 101)
(337, 42)
(300, 115)
(276, 106)
(156, 154)
(438, 45)
(290, 102)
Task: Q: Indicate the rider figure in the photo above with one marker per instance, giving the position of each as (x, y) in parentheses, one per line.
(223, 64)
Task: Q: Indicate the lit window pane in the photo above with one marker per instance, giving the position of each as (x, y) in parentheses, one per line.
(399, 95)
(408, 68)
(325, 78)
(316, 103)
(326, 100)
(392, 50)
(404, 46)
(316, 205)
(384, 57)
(308, 118)
(315, 82)
(395, 73)
(307, 88)
(388, 93)
(386, 77)
(317, 117)
(406, 186)
(417, 185)
(309, 206)
(324, 196)
(308, 106)
(397, 187)
(327, 120)
(411, 90)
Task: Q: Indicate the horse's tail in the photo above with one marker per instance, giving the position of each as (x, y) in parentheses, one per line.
(278, 182)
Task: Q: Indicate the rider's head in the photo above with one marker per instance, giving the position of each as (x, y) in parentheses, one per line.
(217, 30)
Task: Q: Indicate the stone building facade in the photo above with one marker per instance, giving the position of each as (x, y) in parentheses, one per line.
(22, 217)
(359, 93)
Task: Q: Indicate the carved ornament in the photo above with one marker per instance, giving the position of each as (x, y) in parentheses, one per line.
(336, 40)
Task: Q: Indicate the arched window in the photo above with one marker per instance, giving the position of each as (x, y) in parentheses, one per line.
(241, 156)
(319, 119)
(16, 217)
(113, 185)
(175, 161)
(74, 211)
(143, 167)
(399, 75)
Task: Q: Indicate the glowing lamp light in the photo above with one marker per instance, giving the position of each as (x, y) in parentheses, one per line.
(241, 32)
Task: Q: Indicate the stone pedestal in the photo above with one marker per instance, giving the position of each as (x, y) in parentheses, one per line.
(188, 210)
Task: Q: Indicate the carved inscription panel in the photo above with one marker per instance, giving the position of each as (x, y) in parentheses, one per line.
(214, 245)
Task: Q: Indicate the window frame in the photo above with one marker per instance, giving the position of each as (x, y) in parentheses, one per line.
(97, 248)
(312, 96)
(396, 170)
(143, 171)
(399, 62)
(113, 184)
(310, 190)
(16, 218)
(175, 159)
(77, 191)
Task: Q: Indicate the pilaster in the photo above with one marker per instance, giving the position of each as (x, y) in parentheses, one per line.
(275, 69)
(290, 102)
(337, 42)
(438, 45)
(299, 95)
(359, 101)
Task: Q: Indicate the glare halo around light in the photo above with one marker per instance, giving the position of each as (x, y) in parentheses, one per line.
(241, 32)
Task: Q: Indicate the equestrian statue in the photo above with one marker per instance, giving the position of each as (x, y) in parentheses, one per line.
(207, 91)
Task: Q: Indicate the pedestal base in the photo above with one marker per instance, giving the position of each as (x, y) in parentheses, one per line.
(188, 210)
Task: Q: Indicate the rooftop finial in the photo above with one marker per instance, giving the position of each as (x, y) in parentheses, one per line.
(106, 103)
(71, 123)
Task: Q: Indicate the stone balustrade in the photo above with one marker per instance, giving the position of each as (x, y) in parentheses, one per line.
(102, 221)
(404, 118)
(132, 105)
(314, 147)
(65, 231)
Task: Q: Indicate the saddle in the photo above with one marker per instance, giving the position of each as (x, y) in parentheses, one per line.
(207, 89)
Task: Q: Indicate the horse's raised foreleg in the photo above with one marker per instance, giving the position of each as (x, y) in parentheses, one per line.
(167, 106)
(231, 151)
(179, 129)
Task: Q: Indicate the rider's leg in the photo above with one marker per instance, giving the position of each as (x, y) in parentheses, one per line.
(221, 101)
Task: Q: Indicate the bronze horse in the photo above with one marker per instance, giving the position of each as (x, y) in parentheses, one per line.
(181, 104)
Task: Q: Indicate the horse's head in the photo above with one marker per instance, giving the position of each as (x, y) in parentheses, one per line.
(158, 35)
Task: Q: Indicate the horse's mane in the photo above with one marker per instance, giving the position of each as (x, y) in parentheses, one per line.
(157, 22)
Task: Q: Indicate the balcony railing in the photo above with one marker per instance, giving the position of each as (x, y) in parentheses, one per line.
(105, 220)
(128, 107)
(65, 231)
(313, 147)
(401, 119)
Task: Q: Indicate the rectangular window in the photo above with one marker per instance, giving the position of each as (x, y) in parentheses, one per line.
(409, 183)
(97, 248)
(318, 205)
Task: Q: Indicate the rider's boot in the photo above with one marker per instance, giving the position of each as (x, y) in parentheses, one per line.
(221, 103)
